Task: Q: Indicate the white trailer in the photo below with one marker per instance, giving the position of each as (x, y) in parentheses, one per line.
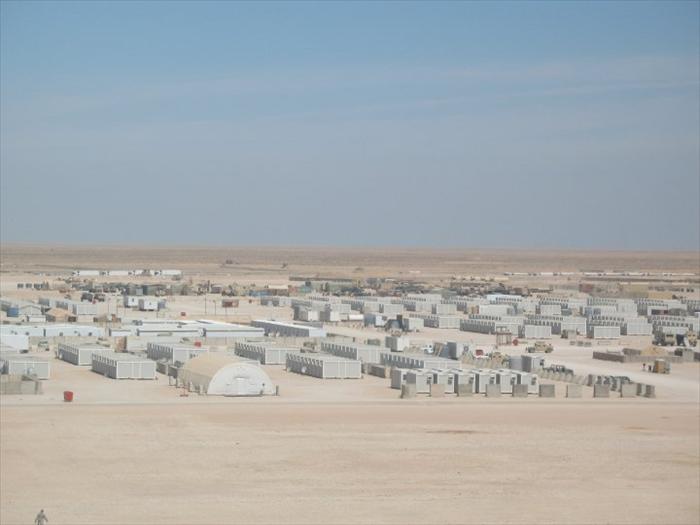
(264, 353)
(131, 301)
(422, 379)
(323, 366)
(123, 366)
(400, 360)
(147, 304)
(506, 379)
(531, 380)
(396, 343)
(355, 351)
(173, 353)
(20, 364)
(19, 342)
(398, 377)
(80, 355)
(533, 331)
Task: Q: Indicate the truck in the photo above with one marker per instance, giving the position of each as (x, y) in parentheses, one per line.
(559, 368)
(540, 347)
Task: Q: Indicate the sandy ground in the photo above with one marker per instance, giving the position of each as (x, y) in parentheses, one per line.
(249, 263)
(343, 451)
(137, 452)
(407, 462)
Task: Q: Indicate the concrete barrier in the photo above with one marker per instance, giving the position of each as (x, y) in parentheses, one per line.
(601, 390)
(547, 391)
(641, 388)
(493, 390)
(408, 391)
(437, 390)
(628, 390)
(650, 391)
(574, 391)
(464, 390)
(16, 384)
(520, 390)
(377, 370)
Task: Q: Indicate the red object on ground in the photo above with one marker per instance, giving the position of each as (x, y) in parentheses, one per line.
(198, 344)
(515, 342)
(67, 396)
(479, 351)
(183, 314)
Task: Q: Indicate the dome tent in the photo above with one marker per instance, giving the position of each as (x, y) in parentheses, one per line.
(223, 375)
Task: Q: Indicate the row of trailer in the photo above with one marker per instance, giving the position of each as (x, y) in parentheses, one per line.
(20, 364)
(323, 366)
(106, 362)
(451, 379)
(264, 353)
(173, 353)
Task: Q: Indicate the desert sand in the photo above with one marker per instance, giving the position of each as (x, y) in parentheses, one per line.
(344, 451)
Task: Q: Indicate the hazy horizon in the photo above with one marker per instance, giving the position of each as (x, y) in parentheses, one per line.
(340, 247)
(549, 126)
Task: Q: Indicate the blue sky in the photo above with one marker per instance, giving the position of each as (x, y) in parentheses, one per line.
(534, 125)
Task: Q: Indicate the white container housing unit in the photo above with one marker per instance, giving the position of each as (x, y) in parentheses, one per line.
(324, 366)
(481, 379)
(506, 379)
(219, 329)
(20, 364)
(464, 377)
(444, 309)
(445, 378)
(496, 309)
(173, 353)
(525, 378)
(604, 332)
(80, 355)
(397, 343)
(147, 304)
(398, 377)
(400, 360)
(18, 342)
(638, 326)
(376, 320)
(354, 351)
(72, 330)
(422, 379)
(264, 353)
(533, 331)
(123, 366)
(131, 301)
(81, 308)
(305, 314)
(390, 310)
(413, 324)
(286, 329)
(439, 321)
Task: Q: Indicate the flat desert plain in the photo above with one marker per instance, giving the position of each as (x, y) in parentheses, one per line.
(334, 261)
(345, 451)
(352, 461)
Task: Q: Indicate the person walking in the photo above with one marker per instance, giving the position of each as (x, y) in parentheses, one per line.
(41, 518)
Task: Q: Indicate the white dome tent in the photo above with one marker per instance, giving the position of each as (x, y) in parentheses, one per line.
(223, 375)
